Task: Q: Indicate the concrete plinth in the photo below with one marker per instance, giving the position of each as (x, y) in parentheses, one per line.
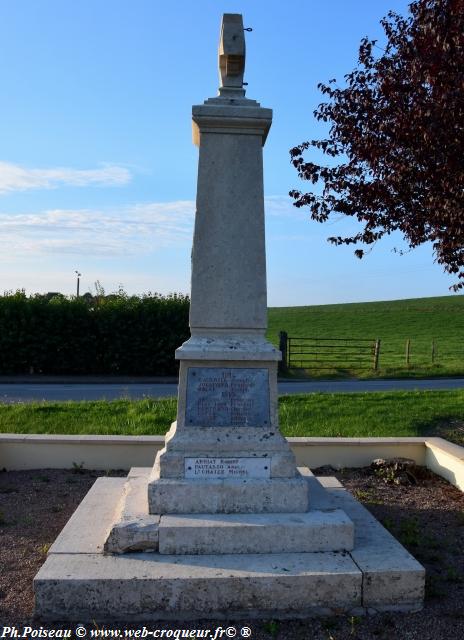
(79, 582)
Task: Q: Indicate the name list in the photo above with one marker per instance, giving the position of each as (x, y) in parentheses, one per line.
(227, 397)
(227, 468)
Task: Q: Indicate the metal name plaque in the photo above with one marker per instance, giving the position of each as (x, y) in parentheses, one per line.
(227, 397)
(227, 468)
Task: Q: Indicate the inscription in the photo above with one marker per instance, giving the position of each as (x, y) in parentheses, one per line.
(227, 397)
(227, 468)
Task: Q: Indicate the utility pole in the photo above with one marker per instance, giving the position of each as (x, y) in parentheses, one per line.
(78, 276)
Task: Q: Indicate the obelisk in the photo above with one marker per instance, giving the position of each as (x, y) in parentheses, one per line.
(225, 452)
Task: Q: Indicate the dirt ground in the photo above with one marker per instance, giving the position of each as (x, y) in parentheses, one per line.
(426, 516)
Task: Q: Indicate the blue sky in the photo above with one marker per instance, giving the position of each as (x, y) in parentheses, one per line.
(97, 167)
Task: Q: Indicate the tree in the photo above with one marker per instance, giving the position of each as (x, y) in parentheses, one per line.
(397, 132)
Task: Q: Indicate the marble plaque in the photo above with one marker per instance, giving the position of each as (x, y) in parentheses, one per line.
(227, 468)
(227, 397)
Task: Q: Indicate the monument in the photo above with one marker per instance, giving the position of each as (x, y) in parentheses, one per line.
(225, 524)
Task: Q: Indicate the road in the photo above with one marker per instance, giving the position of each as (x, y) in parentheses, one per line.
(10, 393)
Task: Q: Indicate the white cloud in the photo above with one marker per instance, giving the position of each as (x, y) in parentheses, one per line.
(133, 229)
(282, 207)
(140, 228)
(13, 177)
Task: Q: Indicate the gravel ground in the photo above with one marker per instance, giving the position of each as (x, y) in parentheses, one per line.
(427, 517)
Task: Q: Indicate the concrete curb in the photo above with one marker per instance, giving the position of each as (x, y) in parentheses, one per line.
(36, 451)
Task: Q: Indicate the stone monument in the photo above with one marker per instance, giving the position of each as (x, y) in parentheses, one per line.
(225, 452)
(225, 524)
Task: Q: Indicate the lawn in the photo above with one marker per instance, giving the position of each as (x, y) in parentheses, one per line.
(395, 413)
(420, 320)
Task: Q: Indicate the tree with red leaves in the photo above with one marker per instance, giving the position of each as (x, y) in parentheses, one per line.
(397, 129)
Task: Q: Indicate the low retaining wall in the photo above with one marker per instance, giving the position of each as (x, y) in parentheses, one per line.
(21, 451)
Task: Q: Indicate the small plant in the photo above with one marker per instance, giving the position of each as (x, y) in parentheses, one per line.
(272, 627)
(367, 495)
(409, 533)
(354, 622)
(78, 468)
(388, 523)
(453, 575)
(45, 548)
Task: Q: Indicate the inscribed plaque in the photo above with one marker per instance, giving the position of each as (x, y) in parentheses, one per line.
(227, 468)
(227, 397)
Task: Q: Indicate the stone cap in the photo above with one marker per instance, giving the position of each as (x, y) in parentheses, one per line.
(230, 116)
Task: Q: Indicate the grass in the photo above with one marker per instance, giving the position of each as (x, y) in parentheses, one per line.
(393, 322)
(395, 413)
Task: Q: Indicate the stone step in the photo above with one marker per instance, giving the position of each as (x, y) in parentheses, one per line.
(150, 586)
(275, 495)
(317, 530)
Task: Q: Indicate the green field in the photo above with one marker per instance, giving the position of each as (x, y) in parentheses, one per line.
(411, 413)
(420, 320)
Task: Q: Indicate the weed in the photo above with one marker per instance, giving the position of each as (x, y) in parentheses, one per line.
(409, 533)
(367, 495)
(388, 523)
(272, 627)
(453, 575)
(354, 622)
(45, 548)
(78, 468)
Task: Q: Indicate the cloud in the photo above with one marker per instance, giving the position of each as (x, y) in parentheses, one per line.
(13, 177)
(132, 229)
(282, 207)
(139, 228)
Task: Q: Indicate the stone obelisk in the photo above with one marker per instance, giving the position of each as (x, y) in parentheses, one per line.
(225, 452)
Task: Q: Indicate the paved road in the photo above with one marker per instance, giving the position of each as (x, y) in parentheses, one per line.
(31, 392)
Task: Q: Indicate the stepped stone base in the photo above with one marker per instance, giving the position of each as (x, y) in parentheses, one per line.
(219, 533)
(79, 582)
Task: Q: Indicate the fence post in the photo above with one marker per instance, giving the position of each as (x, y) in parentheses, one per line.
(408, 351)
(376, 354)
(283, 342)
(433, 352)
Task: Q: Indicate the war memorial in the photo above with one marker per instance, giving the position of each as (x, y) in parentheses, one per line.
(225, 524)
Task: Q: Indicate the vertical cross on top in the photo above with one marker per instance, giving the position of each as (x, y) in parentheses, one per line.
(231, 55)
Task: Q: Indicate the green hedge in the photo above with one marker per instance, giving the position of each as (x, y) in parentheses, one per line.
(114, 334)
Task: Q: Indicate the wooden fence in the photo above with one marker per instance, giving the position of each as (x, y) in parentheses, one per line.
(358, 354)
(329, 353)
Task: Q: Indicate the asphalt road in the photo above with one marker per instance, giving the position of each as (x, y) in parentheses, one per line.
(36, 392)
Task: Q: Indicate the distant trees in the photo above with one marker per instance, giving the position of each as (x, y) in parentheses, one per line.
(397, 129)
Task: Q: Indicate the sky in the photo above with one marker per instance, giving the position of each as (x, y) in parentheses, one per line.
(97, 166)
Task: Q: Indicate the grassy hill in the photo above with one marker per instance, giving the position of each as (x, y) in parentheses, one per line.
(420, 320)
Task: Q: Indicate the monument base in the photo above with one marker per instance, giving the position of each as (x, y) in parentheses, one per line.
(80, 582)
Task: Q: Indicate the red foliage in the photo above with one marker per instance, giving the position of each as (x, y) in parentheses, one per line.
(399, 125)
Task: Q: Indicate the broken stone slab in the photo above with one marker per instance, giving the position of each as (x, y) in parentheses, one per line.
(133, 529)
